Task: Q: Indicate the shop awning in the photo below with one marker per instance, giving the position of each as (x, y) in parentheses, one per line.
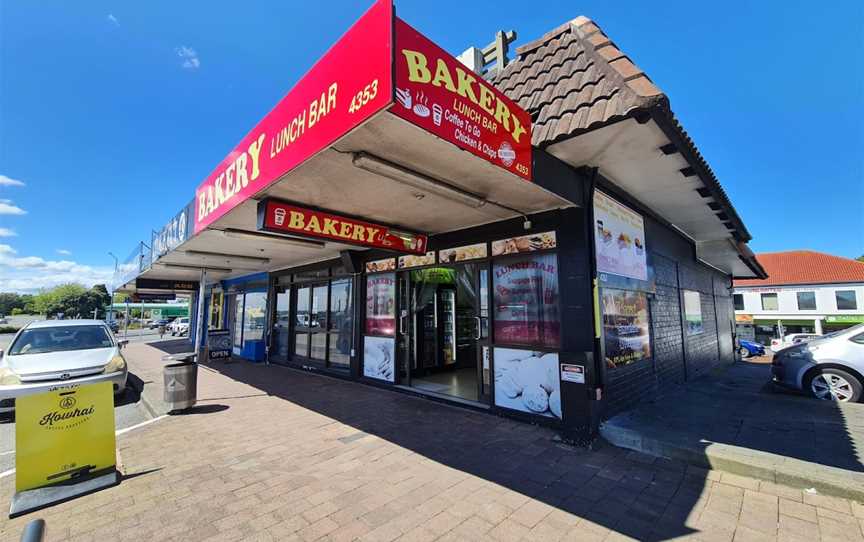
(386, 127)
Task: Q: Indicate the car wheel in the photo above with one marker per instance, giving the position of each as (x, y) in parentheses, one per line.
(835, 385)
(744, 352)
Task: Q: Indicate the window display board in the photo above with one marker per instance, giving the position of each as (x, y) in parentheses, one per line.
(693, 312)
(375, 266)
(381, 304)
(411, 260)
(460, 254)
(619, 239)
(525, 297)
(626, 331)
(527, 381)
(524, 243)
(379, 358)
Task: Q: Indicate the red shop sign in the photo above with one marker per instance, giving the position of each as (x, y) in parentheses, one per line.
(348, 85)
(441, 95)
(280, 217)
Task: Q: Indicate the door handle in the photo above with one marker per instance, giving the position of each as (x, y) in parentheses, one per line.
(477, 321)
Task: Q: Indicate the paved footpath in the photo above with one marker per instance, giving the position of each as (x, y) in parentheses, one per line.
(276, 454)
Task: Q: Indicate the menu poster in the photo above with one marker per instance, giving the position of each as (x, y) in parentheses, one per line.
(619, 238)
(414, 260)
(693, 312)
(626, 334)
(460, 254)
(528, 381)
(524, 243)
(388, 264)
(379, 358)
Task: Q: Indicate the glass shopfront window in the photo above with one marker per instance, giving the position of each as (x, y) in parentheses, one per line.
(254, 316)
(381, 304)
(215, 319)
(322, 316)
(525, 301)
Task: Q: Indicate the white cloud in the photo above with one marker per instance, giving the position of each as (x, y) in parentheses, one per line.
(113, 20)
(8, 181)
(63, 252)
(6, 232)
(30, 273)
(8, 208)
(189, 57)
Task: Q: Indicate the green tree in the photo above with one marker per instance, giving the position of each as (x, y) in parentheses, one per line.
(9, 302)
(860, 258)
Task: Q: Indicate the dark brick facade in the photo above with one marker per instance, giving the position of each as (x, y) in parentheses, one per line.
(676, 355)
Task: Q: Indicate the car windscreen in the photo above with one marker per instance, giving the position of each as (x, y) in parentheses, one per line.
(59, 339)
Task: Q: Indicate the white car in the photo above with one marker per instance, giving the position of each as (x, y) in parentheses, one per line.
(792, 339)
(180, 326)
(45, 354)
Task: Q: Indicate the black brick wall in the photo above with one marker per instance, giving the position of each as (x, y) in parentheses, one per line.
(677, 357)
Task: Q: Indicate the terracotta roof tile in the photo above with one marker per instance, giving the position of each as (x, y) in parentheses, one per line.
(805, 267)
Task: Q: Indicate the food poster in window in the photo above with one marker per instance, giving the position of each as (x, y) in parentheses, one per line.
(619, 239)
(626, 334)
(526, 301)
(527, 381)
(461, 254)
(379, 358)
(693, 312)
(524, 243)
(381, 304)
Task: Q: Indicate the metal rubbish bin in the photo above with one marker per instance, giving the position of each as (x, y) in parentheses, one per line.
(181, 382)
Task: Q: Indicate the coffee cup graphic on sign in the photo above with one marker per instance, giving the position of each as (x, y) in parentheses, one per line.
(279, 216)
(436, 114)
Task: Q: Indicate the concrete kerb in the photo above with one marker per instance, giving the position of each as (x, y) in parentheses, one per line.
(745, 462)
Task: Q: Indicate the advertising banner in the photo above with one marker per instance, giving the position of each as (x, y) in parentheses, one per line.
(527, 381)
(524, 243)
(626, 332)
(619, 238)
(693, 312)
(174, 233)
(166, 284)
(409, 261)
(381, 304)
(281, 217)
(348, 85)
(525, 299)
(460, 254)
(441, 95)
(63, 434)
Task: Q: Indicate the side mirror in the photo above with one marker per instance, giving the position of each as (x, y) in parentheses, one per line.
(123, 342)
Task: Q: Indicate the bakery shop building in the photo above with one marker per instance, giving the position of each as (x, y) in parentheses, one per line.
(540, 239)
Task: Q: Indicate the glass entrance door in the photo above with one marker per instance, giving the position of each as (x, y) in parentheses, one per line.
(442, 327)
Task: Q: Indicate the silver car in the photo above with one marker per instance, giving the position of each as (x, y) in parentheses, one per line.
(45, 354)
(831, 367)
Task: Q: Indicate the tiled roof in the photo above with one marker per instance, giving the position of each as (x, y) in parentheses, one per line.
(805, 267)
(573, 79)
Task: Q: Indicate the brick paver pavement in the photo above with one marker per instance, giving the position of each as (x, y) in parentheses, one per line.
(276, 454)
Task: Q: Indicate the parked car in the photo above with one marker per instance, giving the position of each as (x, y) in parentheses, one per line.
(51, 352)
(113, 326)
(831, 367)
(180, 326)
(154, 324)
(749, 348)
(792, 339)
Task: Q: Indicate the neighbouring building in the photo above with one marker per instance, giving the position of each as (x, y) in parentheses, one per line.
(539, 238)
(805, 292)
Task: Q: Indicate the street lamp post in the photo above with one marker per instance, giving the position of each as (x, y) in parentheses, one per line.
(110, 315)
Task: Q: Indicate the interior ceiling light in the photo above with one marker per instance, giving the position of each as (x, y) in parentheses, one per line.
(416, 180)
(205, 254)
(262, 236)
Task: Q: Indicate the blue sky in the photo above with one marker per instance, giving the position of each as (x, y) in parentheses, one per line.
(111, 113)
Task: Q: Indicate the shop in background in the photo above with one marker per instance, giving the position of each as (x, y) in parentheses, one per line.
(245, 303)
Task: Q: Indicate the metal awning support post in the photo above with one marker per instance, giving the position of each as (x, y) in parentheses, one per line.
(199, 322)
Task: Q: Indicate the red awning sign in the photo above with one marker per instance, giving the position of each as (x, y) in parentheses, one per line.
(280, 217)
